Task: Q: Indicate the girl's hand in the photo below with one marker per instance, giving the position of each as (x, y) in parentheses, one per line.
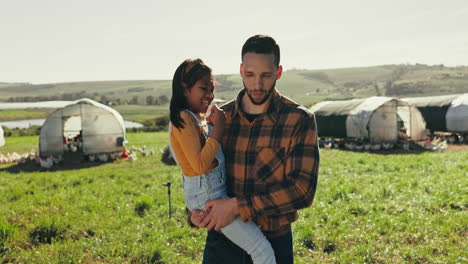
(217, 116)
(196, 217)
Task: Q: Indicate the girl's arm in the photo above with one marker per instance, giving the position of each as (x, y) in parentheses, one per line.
(199, 158)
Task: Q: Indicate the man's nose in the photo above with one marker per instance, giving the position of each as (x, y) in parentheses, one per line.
(258, 83)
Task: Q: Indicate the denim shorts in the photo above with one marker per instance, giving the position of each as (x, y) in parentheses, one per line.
(202, 188)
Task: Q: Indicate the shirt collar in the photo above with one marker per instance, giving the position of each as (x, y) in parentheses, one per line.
(272, 111)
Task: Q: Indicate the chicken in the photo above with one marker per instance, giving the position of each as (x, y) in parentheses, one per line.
(46, 163)
(103, 157)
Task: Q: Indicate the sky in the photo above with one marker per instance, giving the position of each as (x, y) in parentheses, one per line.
(51, 41)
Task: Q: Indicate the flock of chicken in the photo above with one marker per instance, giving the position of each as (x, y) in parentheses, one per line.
(437, 144)
(18, 158)
(47, 163)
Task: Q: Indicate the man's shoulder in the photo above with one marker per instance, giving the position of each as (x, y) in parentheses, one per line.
(290, 107)
(229, 106)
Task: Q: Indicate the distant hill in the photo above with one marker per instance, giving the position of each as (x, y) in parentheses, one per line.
(305, 86)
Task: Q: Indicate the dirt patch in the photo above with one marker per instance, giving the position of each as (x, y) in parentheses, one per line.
(457, 147)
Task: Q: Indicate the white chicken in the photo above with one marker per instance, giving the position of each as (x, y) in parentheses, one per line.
(46, 163)
(103, 157)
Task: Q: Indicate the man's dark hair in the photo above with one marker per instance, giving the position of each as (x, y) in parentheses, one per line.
(262, 44)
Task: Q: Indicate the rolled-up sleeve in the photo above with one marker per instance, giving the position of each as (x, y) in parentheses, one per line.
(197, 158)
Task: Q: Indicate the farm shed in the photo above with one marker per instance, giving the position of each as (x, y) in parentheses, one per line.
(447, 113)
(84, 126)
(374, 119)
(2, 138)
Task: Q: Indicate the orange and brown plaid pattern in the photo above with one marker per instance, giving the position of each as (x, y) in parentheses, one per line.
(272, 163)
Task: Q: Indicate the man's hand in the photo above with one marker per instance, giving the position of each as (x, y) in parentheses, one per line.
(219, 213)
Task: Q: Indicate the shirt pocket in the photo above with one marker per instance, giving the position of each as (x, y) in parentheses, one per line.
(269, 165)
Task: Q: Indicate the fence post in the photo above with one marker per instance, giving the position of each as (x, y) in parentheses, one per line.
(168, 184)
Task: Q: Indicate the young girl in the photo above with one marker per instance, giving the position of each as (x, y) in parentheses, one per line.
(199, 155)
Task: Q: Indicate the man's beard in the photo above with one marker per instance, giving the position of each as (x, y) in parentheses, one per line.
(265, 98)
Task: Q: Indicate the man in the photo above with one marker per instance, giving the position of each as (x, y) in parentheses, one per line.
(272, 158)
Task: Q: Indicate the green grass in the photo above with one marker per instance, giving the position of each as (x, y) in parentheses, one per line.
(140, 113)
(136, 113)
(23, 114)
(369, 208)
(20, 144)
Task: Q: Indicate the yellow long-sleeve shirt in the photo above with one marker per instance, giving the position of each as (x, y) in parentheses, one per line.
(193, 157)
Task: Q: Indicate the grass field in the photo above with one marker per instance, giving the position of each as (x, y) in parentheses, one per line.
(140, 113)
(136, 113)
(369, 208)
(23, 114)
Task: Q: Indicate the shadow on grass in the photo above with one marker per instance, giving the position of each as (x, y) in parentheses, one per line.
(389, 152)
(30, 167)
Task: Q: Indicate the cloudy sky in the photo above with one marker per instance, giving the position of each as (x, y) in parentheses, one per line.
(63, 40)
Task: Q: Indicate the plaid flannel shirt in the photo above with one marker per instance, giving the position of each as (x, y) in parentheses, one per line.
(272, 163)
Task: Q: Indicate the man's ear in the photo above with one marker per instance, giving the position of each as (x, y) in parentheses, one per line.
(279, 72)
(241, 70)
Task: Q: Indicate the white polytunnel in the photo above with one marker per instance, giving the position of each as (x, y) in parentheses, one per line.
(445, 113)
(375, 119)
(96, 128)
